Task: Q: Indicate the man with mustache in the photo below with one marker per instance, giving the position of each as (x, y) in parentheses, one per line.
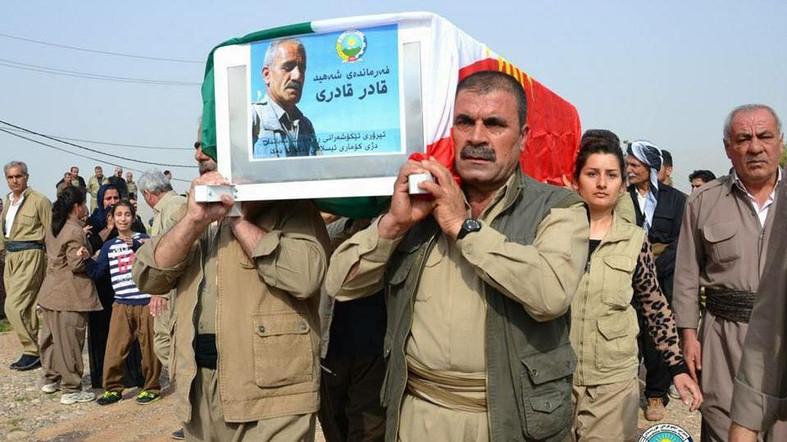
(279, 128)
(722, 247)
(478, 279)
(659, 210)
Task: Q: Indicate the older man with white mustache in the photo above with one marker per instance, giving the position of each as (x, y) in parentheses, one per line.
(279, 128)
(659, 209)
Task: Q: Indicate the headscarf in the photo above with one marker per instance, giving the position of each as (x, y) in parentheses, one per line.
(650, 155)
(99, 217)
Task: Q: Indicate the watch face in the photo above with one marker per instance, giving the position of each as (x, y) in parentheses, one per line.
(472, 225)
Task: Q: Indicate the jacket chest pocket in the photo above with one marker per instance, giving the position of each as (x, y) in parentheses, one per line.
(616, 286)
(26, 219)
(283, 353)
(616, 346)
(722, 242)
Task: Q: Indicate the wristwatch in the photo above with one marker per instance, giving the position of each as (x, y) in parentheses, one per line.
(470, 225)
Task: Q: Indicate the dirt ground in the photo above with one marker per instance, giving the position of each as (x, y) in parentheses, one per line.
(28, 414)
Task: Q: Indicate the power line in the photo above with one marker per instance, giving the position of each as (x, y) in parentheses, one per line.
(88, 75)
(94, 150)
(77, 154)
(96, 51)
(138, 146)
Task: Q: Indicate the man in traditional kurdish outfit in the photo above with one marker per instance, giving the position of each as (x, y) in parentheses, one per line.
(723, 242)
(478, 281)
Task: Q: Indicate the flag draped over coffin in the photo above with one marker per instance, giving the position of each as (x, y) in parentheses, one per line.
(555, 130)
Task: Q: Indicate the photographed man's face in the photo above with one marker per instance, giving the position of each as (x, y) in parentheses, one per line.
(118, 171)
(488, 137)
(755, 146)
(99, 172)
(284, 77)
(74, 171)
(129, 176)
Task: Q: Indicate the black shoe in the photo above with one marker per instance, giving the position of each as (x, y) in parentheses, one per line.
(109, 397)
(26, 362)
(178, 434)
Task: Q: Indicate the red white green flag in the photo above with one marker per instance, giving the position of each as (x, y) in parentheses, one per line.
(451, 55)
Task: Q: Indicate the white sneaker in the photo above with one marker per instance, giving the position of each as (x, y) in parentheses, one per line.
(50, 388)
(73, 398)
(673, 392)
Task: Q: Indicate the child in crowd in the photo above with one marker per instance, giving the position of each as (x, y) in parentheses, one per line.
(131, 317)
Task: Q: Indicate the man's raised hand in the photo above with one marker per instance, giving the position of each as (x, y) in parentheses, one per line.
(406, 210)
(203, 214)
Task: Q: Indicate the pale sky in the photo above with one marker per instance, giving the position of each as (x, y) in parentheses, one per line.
(666, 71)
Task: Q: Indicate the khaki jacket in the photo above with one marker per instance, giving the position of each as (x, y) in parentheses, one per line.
(167, 211)
(267, 325)
(721, 246)
(32, 220)
(604, 324)
(66, 286)
(93, 184)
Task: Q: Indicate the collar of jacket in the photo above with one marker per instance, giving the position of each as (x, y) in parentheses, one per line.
(514, 191)
(621, 229)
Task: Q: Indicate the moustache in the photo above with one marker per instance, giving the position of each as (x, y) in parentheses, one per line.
(206, 166)
(293, 85)
(482, 152)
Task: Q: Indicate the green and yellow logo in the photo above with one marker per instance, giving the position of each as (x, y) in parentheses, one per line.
(351, 46)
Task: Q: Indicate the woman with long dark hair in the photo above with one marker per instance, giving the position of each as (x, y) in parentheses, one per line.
(65, 298)
(604, 326)
(102, 229)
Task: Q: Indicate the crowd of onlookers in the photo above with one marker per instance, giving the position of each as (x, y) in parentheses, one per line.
(79, 279)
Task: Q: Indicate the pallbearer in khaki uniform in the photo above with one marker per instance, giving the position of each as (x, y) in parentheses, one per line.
(722, 247)
(26, 217)
(245, 348)
(478, 281)
(760, 398)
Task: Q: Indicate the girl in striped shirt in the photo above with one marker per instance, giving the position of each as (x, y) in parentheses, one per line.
(131, 317)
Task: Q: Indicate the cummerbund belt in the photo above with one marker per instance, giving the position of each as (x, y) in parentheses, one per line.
(732, 305)
(455, 391)
(19, 246)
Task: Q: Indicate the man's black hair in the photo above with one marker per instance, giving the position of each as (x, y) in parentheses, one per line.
(704, 175)
(484, 82)
(666, 158)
